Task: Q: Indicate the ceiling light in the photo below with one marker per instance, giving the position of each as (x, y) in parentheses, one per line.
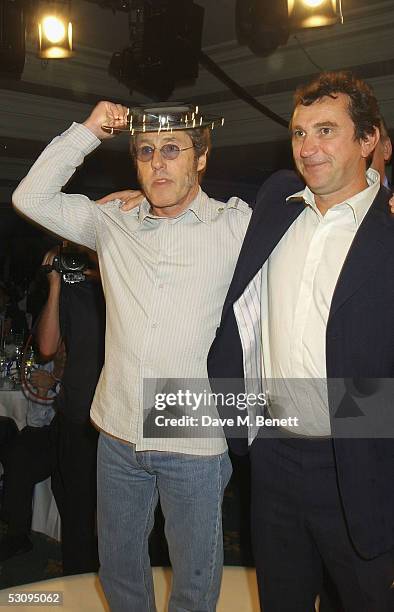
(53, 29)
(314, 13)
(55, 33)
(313, 3)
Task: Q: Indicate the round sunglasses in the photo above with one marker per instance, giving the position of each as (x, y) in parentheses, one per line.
(145, 153)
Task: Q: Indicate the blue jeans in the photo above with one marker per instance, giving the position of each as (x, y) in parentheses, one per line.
(191, 491)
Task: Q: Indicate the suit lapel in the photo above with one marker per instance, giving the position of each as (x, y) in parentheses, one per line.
(369, 247)
(270, 222)
(268, 225)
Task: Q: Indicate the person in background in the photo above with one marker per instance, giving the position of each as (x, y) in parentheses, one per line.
(28, 457)
(382, 154)
(41, 387)
(74, 314)
(12, 319)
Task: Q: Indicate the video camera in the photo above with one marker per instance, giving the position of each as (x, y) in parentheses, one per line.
(70, 263)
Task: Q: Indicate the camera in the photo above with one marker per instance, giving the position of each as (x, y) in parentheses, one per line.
(70, 263)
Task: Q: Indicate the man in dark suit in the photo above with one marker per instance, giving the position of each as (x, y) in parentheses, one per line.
(310, 313)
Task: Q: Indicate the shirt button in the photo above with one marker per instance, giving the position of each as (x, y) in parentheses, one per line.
(221, 209)
(154, 325)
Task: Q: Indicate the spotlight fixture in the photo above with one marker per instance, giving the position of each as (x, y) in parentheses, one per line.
(314, 13)
(262, 25)
(165, 42)
(55, 32)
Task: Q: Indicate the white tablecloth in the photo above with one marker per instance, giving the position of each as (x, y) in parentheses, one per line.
(46, 517)
(14, 404)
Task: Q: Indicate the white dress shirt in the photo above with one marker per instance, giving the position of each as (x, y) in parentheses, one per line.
(302, 272)
(294, 289)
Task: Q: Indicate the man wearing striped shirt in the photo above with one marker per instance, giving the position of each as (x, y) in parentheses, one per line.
(166, 267)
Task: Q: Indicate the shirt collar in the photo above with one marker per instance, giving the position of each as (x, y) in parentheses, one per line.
(359, 203)
(198, 206)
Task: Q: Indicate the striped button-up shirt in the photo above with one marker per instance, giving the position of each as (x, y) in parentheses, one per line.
(164, 279)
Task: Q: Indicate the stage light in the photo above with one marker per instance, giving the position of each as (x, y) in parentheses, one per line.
(53, 29)
(262, 25)
(313, 3)
(55, 32)
(165, 43)
(314, 13)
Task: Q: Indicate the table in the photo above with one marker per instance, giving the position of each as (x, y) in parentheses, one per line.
(46, 517)
(14, 404)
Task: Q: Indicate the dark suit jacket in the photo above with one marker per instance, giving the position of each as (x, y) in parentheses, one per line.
(359, 345)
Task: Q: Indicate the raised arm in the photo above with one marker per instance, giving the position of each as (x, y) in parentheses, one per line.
(39, 196)
(48, 336)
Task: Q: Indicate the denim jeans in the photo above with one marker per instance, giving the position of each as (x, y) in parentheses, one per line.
(191, 491)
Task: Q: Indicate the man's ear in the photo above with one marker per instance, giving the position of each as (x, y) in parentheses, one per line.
(369, 142)
(387, 149)
(202, 161)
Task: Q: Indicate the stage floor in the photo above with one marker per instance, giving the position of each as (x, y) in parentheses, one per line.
(82, 593)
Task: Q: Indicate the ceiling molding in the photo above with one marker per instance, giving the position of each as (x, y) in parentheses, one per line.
(52, 95)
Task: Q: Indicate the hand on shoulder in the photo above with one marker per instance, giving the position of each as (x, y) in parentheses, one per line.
(130, 198)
